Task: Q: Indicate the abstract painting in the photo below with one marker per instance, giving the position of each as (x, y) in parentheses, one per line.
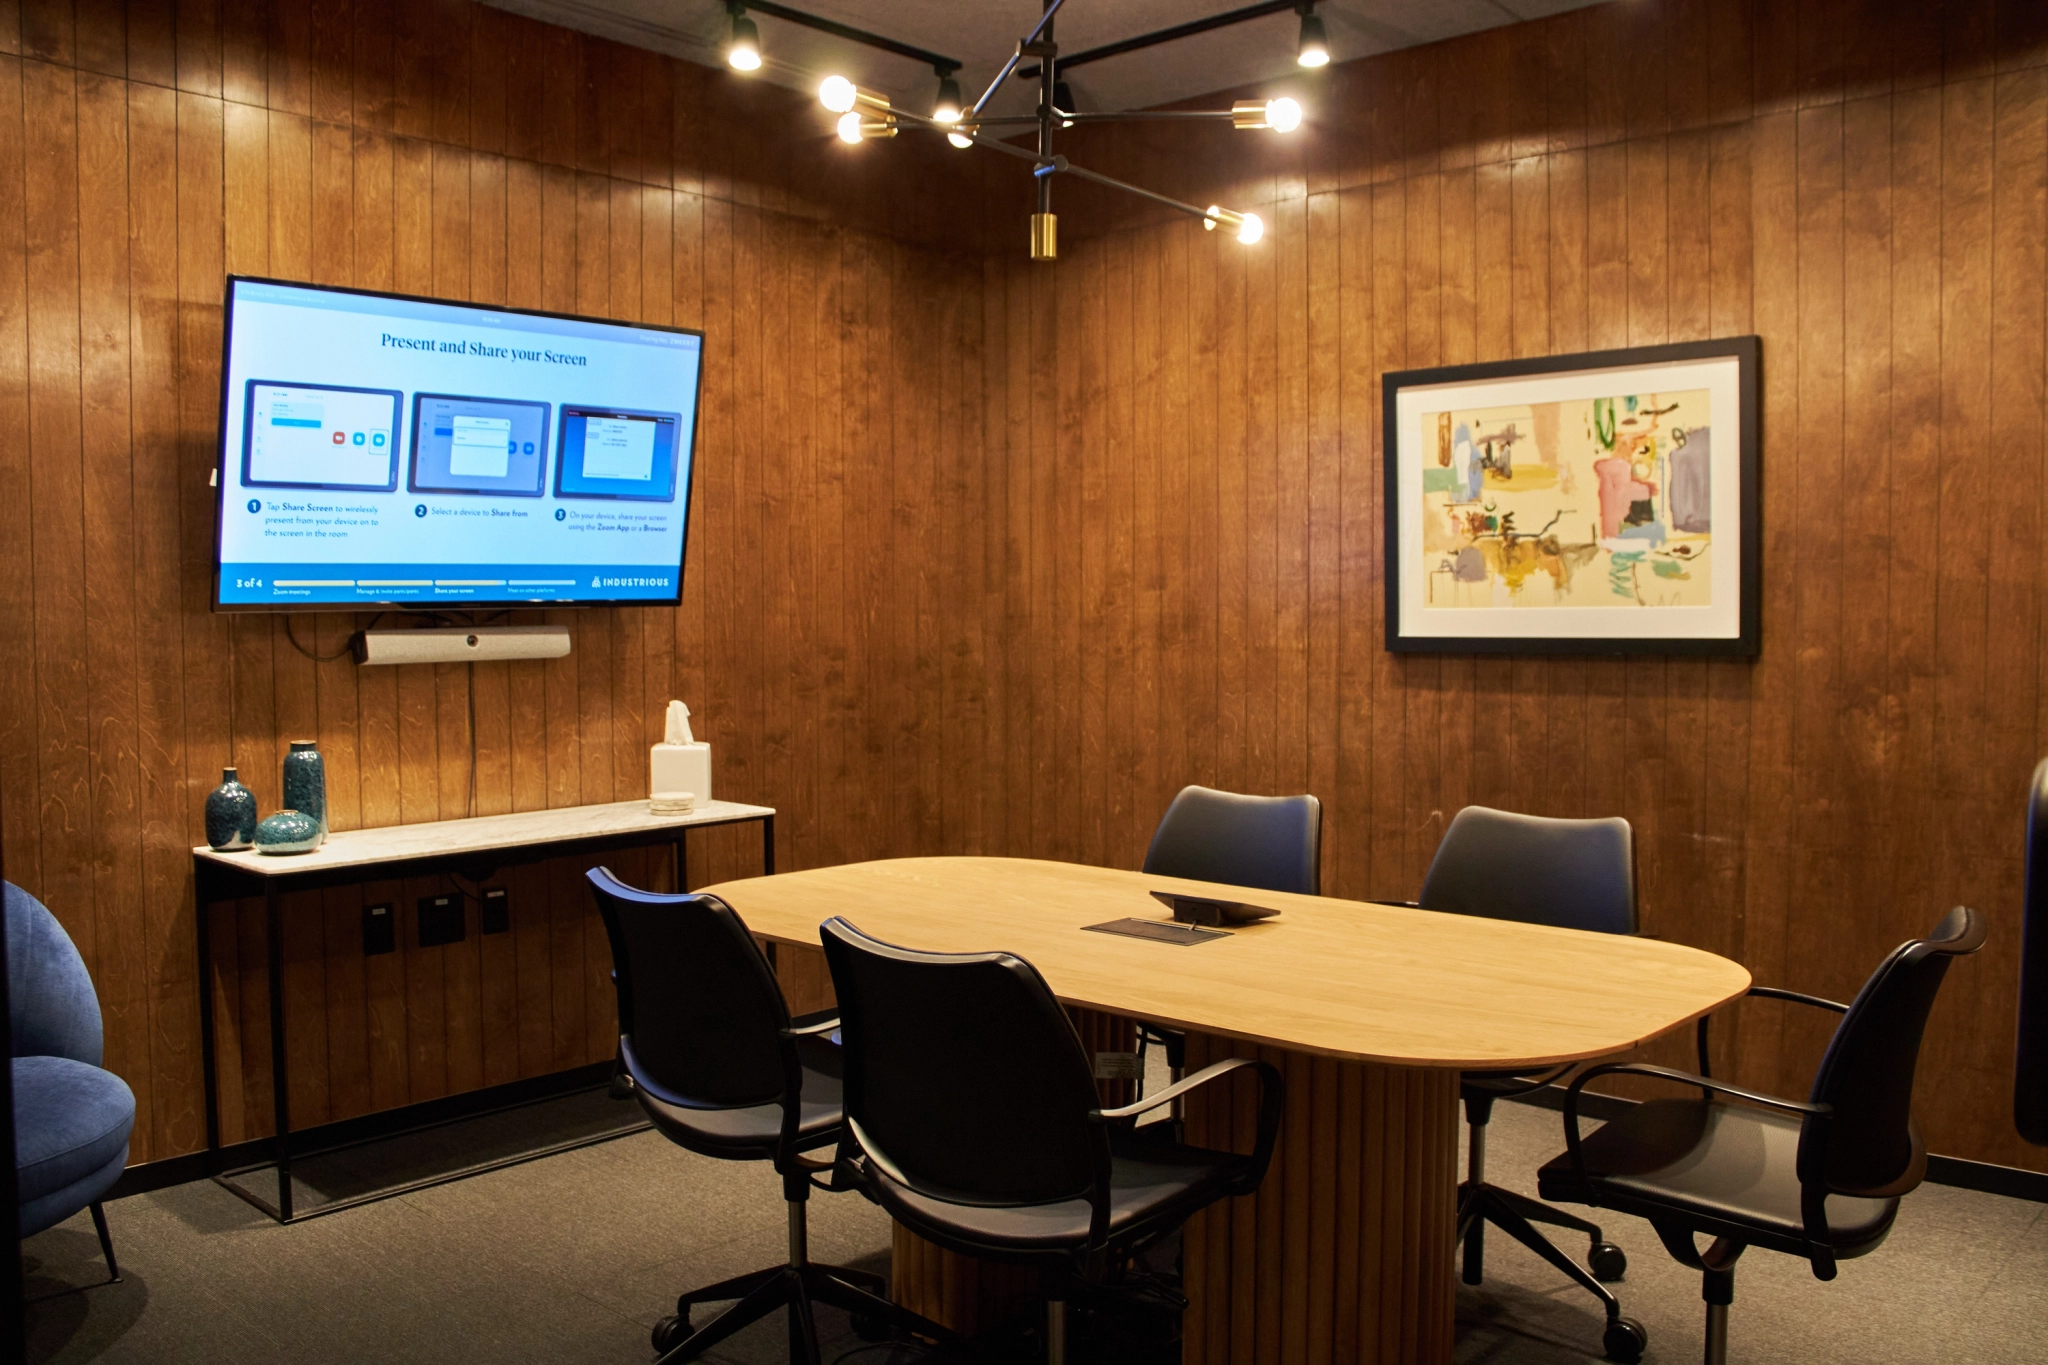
(1579, 504)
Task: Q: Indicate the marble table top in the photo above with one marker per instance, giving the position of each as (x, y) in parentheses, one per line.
(485, 833)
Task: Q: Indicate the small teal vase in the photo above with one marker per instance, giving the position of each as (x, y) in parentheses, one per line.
(288, 831)
(305, 783)
(230, 814)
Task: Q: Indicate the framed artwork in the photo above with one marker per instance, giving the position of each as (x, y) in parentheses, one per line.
(1603, 503)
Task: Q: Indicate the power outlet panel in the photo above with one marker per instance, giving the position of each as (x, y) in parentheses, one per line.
(441, 920)
(496, 915)
(380, 930)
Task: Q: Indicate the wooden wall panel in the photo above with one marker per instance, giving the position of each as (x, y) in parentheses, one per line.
(994, 557)
(151, 149)
(1874, 209)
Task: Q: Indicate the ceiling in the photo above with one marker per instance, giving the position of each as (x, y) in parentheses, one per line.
(983, 33)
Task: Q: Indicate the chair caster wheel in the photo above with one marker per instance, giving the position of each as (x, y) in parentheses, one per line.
(1608, 1261)
(1625, 1341)
(670, 1333)
(868, 1327)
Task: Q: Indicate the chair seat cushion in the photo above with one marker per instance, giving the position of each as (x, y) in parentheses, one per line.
(1152, 1186)
(1705, 1162)
(70, 1120)
(751, 1133)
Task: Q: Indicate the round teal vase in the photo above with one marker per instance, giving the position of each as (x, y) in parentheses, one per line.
(230, 814)
(288, 831)
(305, 783)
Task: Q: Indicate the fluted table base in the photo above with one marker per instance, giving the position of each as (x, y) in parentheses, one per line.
(1344, 1254)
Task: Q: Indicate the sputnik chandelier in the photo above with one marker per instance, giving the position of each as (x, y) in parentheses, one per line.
(865, 114)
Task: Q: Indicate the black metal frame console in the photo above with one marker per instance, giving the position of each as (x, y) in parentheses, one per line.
(224, 877)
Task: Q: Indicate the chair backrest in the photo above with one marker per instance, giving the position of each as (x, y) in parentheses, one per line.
(1868, 1145)
(1272, 843)
(2030, 1067)
(964, 1079)
(1576, 874)
(52, 1006)
(700, 1012)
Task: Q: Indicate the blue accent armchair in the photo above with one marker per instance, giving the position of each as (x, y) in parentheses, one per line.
(71, 1119)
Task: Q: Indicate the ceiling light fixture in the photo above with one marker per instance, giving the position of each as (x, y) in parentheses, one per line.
(1282, 115)
(863, 115)
(947, 110)
(1313, 47)
(743, 52)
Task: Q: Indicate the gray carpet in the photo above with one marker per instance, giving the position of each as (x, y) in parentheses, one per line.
(572, 1258)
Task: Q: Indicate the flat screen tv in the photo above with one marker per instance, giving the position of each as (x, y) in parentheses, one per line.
(379, 451)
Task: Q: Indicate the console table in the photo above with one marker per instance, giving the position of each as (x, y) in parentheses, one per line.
(476, 846)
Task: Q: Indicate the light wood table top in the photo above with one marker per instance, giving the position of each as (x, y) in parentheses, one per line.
(1346, 979)
(483, 834)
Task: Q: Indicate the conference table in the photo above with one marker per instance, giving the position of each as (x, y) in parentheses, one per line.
(1370, 1011)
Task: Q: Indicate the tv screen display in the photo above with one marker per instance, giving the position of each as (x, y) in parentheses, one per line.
(381, 451)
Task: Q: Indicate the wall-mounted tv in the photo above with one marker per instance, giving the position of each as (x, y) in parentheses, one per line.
(379, 451)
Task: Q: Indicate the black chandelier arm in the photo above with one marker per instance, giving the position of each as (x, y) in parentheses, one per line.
(944, 66)
(1168, 35)
(1062, 166)
(1044, 22)
(1133, 115)
(1046, 166)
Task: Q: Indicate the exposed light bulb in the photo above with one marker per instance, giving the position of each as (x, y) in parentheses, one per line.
(1283, 115)
(948, 108)
(1251, 229)
(744, 54)
(960, 140)
(849, 126)
(1314, 48)
(837, 93)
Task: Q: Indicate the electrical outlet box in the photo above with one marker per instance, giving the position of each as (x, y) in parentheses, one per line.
(380, 930)
(440, 920)
(496, 915)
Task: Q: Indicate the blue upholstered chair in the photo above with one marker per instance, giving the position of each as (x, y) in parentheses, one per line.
(71, 1119)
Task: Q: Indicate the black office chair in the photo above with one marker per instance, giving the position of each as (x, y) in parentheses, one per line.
(1576, 874)
(972, 1117)
(1268, 843)
(2030, 1066)
(1820, 1180)
(708, 1048)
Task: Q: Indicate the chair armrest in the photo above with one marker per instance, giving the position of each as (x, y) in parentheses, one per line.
(816, 1028)
(1272, 1099)
(1765, 993)
(1572, 1140)
(1174, 1092)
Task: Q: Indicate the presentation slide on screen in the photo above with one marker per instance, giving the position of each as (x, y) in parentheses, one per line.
(392, 450)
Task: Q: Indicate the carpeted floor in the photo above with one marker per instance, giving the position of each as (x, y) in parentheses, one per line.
(572, 1258)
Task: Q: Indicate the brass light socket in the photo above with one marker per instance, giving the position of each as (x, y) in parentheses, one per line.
(1045, 236)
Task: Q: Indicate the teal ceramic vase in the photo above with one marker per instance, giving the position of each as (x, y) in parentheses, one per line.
(288, 831)
(230, 814)
(305, 783)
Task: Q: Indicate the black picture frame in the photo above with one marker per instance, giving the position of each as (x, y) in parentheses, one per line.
(1747, 641)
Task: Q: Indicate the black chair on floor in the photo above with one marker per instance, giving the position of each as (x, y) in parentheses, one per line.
(2030, 1061)
(1576, 874)
(1820, 1179)
(1267, 843)
(708, 1047)
(972, 1117)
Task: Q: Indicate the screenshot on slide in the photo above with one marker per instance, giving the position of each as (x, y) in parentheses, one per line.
(383, 451)
(478, 445)
(320, 436)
